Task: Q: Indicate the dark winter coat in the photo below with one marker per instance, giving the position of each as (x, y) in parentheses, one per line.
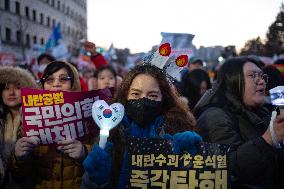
(52, 169)
(9, 126)
(253, 162)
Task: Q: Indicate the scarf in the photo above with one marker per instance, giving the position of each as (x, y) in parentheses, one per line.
(132, 129)
(11, 127)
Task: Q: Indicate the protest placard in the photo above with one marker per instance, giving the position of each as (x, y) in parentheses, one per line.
(50, 116)
(153, 164)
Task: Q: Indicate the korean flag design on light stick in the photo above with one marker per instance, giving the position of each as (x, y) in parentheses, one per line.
(106, 117)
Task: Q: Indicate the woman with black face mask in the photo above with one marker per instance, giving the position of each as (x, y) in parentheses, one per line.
(152, 110)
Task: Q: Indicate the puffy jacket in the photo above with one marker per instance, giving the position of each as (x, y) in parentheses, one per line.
(10, 126)
(253, 162)
(49, 168)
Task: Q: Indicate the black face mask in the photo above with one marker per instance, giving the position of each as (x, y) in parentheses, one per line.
(143, 111)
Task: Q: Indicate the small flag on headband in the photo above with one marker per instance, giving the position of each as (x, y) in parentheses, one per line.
(162, 55)
(169, 59)
(173, 53)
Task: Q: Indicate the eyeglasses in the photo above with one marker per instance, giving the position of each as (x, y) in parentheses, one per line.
(258, 76)
(61, 79)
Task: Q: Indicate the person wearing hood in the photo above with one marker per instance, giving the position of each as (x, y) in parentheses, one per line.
(12, 79)
(152, 110)
(56, 167)
(233, 112)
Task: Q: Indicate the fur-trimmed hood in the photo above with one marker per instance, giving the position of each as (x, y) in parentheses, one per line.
(76, 87)
(24, 78)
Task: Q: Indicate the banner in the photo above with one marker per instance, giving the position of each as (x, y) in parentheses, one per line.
(153, 164)
(50, 116)
(54, 37)
(7, 59)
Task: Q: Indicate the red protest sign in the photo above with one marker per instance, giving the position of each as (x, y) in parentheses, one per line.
(7, 59)
(49, 116)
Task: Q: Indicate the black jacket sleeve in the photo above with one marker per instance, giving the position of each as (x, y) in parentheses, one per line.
(247, 159)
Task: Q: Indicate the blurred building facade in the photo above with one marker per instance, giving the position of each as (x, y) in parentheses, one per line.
(27, 23)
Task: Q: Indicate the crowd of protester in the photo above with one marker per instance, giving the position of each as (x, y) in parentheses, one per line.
(235, 109)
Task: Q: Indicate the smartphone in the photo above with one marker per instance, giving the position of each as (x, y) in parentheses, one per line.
(277, 96)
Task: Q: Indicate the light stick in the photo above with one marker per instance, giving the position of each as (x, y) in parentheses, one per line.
(106, 117)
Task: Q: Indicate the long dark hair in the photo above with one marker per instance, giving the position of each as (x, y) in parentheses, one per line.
(230, 83)
(231, 76)
(54, 67)
(4, 109)
(191, 85)
(173, 107)
(176, 114)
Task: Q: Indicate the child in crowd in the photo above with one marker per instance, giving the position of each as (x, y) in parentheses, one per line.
(105, 77)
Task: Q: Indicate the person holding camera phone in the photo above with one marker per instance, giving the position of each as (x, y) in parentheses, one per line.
(233, 112)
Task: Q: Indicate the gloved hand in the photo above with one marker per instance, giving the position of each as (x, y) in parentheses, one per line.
(98, 164)
(185, 141)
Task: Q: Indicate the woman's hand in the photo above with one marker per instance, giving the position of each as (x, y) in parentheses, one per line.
(74, 148)
(91, 47)
(24, 146)
(278, 127)
(185, 141)
(98, 164)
